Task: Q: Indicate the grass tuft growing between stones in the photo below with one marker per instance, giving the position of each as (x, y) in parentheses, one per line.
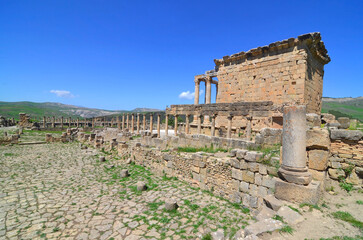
(287, 229)
(347, 217)
(204, 149)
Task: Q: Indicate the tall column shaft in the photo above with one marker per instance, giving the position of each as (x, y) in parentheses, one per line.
(44, 122)
(138, 124)
(213, 126)
(62, 122)
(293, 168)
(158, 126)
(144, 122)
(166, 124)
(187, 124)
(151, 123)
(199, 118)
(132, 122)
(249, 128)
(77, 122)
(196, 92)
(127, 121)
(118, 123)
(53, 122)
(176, 125)
(123, 122)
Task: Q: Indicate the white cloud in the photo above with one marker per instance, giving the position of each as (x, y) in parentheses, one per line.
(62, 93)
(189, 95)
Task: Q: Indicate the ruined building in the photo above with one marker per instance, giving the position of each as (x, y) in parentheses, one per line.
(253, 86)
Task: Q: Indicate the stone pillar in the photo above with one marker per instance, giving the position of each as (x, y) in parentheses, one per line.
(123, 122)
(144, 122)
(93, 122)
(138, 124)
(77, 122)
(158, 126)
(118, 123)
(208, 96)
(127, 121)
(53, 122)
(187, 124)
(199, 121)
(166, 124)
(151, 123)
(44, 122)
(132, 122)
(213, 126)
(61, 122)
(111, 122)
(176, 125)
(196, 96)
(69, 121)
(249, 128)
(293, 168)
(229, 129)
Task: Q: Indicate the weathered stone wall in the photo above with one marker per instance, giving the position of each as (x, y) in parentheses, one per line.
(290, 71)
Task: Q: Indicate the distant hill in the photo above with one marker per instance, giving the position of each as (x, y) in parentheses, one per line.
(340, 107)
(12, 109)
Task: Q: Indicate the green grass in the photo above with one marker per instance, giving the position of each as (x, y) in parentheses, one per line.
(347, 217)
(352, 108)
(311, 206)
(287, 229)
(204, 149)
(360, 202)
(343, 238)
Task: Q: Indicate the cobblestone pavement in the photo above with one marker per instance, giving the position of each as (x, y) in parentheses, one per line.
(58, 191)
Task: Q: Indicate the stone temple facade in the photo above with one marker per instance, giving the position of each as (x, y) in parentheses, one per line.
(282, 73)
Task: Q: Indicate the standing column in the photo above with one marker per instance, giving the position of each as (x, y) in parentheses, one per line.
(144, 122)
(61, 122)
(166, 124)
(77, 122)
(132, 122)
(93, 122)
(123, 122)
(44, 122)
(199, 121)
(127, 121)
(118, 123)
(208, 94)
(138, 124)
(151, 123)
(249, 128)
(293, 168)
(213, 126)
(176, 125)
(111, 122)
(158, 125)
(196, 95)
(187, 124)
(229, 130)
(53, 122)
(69, 122)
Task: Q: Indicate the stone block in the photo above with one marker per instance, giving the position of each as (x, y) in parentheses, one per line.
(318, 159)
(253, 190)
(272, 202)
(318, 175)
(258, 179)
(252, 156)
(265, 213)
(262, 191)
(168, 157)
(196, 169)
(265, 225)
(240, 154)
(272, 170)
(268, 181)
(298, 193)
(254, 202)
(317, 138)
(171, 204)
(313, 120)
(290, 216)
(359, 171)
(248, 176)
(352, 135)
(344, 122)
(262, 169)
(170, 164)
(336, 173)
(234, 163)
(141, 186)
(353, 179)
(244, 187)
(253, 167)
(243, 165)
(237, 174)
(124, 173)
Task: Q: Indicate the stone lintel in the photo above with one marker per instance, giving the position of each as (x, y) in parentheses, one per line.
(298, 193)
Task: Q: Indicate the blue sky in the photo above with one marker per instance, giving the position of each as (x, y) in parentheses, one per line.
(128, 54)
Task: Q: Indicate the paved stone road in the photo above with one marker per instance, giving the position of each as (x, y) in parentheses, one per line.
(58, 191)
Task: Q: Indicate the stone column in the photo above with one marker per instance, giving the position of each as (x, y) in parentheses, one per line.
(229, 129)
(93, 122)
(166, 124)
(249, 128)
(138, 124)
(293, 168)
(176, 125)
(69, 121)
(208, 96)
(111, 122)
(61, 122)
(196, 96)
(118, 123)
(132, 122)
(44, 122)
(213, 126)
(158, 126)
(199, 120)
(77, 122)
(187, 124)
(151, 123)
(53, 122)
(127, 121)
(144, 122)
(123, 122)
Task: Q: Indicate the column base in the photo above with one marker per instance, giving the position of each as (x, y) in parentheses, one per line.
(299, 176)
(298, 193)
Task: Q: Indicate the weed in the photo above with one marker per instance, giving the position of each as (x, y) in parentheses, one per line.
(279, 218)
(287, 229)
(347, 217)
(207, 236)
(360, 202)
(311, 206)
(295, 209)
